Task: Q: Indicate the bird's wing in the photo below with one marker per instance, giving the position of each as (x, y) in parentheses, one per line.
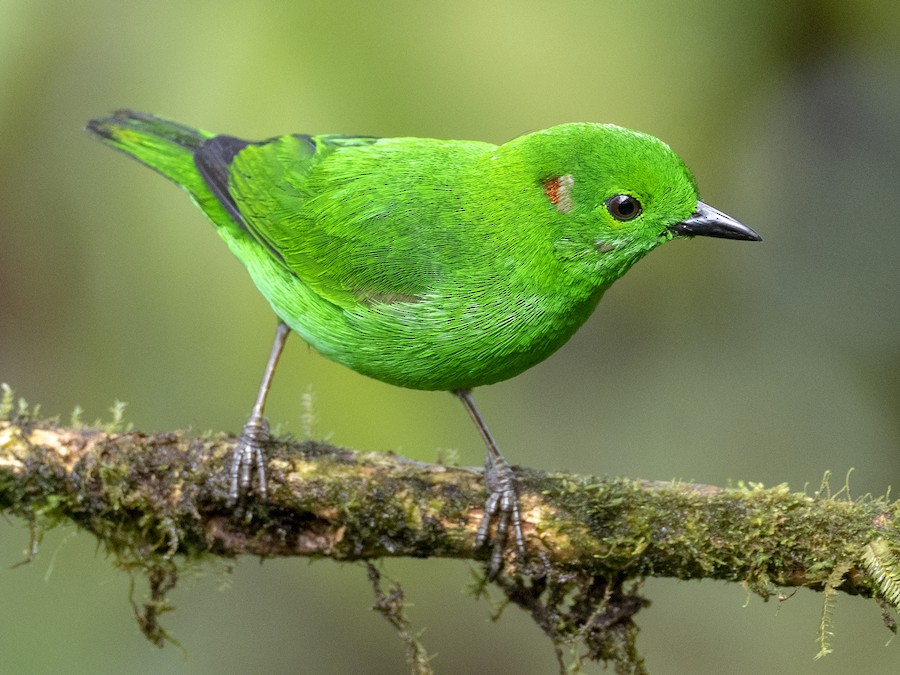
(349, 216)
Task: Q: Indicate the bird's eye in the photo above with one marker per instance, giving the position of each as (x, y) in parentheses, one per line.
(623, 207)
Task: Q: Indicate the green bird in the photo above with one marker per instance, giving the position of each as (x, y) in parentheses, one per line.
(429, 264)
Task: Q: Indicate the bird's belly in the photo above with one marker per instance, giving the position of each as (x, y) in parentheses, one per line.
(440, 346)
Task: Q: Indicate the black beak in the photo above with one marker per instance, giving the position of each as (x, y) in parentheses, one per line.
(710, 222)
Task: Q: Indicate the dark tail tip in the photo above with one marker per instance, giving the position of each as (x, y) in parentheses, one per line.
(175, 132)
(102, 126)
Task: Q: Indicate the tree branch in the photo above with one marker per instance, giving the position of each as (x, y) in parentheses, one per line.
(149, 497)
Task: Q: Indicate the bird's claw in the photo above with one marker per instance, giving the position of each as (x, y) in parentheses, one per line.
(503, 505)
(249, 453)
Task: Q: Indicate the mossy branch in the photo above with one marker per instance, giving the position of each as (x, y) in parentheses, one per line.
(151, 498)
(168, 493)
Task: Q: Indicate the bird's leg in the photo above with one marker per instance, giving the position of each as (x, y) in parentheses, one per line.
(249, 449)
(503, 500)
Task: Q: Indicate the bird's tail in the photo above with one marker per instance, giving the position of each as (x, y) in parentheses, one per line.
(165, 146)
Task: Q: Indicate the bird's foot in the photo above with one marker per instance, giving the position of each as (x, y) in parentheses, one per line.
(249, 453)
(503, 505)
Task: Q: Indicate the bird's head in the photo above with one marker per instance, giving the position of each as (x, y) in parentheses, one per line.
(618, 194)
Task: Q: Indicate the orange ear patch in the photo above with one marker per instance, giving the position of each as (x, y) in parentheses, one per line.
(559, 192)
(551, 189)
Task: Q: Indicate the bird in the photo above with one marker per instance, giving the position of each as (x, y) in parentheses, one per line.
(438, 265)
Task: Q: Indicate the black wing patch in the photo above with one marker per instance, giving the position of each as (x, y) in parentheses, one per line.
(213, 160)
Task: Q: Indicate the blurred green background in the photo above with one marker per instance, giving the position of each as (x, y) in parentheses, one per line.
(711, 361)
